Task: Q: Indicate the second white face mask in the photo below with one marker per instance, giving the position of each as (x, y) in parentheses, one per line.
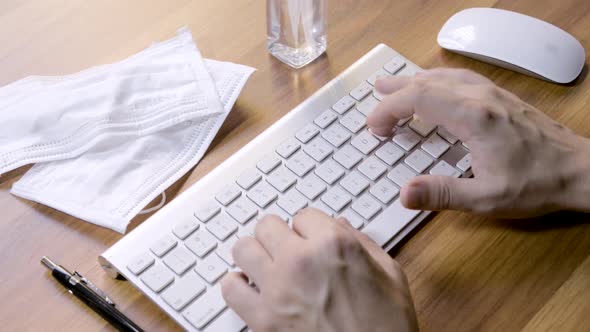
(114, 180)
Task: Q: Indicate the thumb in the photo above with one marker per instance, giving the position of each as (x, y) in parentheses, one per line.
(430, 192)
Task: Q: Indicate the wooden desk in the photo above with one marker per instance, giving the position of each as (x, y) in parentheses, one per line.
(467, 273)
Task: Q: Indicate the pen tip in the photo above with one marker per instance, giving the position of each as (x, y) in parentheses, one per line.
(48, 263)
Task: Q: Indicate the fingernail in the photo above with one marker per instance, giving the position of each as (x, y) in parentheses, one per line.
(382, 131)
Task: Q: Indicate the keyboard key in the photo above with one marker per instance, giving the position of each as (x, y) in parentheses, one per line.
(268, 164)
(329, 171)
(421, 127)
(242, 210)
(228, 194)
(367, 105)
(361, 91)
(465, 163)
(311, 186)
(292, 202)
(407, 139)
(387, 224)
(419, 161)
(443, 168)
(262, 194)
(354, 219)
(379, 74)
(366, 206)
(211, 268)
(389, 153)
(183, 291)
(185, 228)
(354, 183)
(157, 277)
(372, 168)
(281, 179)
(348, 156)
(249, 178)
(395, 65)
(365, 142)
(322, 207)
(222, 226)
(300, 163)
(224, 250)
(354, 121)
(163, 245)
(179, 260)
(206, 212)
(401, 174)
(288, 147)
(307, 133)
(435, 146)
(325, 119)
(226, 321)
(201, 242)
(384, 190)
(140, 263)
(344, 104)
(336, 135)
(205, 308)
(336, 199)
(447, 135)
(318, 149)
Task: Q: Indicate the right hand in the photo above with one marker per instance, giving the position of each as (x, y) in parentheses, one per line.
(524, 163)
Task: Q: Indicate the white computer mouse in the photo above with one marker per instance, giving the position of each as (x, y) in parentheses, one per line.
(514, 41)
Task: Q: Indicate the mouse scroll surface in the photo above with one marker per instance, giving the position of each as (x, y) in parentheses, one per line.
(514, 41)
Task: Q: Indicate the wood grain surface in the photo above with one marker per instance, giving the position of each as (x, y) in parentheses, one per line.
(467, 273)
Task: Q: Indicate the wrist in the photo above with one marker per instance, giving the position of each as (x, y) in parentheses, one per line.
(575, 180)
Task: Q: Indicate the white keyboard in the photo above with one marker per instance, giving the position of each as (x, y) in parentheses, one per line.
(320, 155)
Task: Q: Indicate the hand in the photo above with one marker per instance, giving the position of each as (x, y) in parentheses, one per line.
(322, 275)
(524, 163)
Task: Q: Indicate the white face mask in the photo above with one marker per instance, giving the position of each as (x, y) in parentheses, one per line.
(127, 164)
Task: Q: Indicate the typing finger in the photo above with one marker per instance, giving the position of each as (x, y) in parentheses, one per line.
(241, 297)
(273, 233)
(252, 258)
(390, 85)
(310, 223)
(461, 75)
(435, 103)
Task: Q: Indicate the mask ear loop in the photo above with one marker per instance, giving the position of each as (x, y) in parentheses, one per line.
(154, 208)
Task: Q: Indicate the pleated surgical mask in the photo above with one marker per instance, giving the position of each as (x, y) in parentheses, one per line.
(150, 123)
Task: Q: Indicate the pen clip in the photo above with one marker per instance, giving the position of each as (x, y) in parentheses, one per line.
(94, 288)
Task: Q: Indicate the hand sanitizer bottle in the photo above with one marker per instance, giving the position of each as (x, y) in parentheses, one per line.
(296, 30)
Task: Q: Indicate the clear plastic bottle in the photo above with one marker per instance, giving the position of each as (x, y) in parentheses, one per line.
(296, 30)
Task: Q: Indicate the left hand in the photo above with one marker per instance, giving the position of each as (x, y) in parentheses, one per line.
(322, 275)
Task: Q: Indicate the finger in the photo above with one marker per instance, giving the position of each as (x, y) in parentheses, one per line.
(460, 75)
(241, 297)
(441, 193)
(371, 246)
(433, 102)
(392, 84)
(252, 258)
(273, 233)
(312, 223)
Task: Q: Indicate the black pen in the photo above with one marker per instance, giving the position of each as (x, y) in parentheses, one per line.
(84, 290)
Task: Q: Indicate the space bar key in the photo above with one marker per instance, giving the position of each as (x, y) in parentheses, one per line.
(390, 222)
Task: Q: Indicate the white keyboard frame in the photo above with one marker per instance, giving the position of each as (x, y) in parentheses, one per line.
(116, 258)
